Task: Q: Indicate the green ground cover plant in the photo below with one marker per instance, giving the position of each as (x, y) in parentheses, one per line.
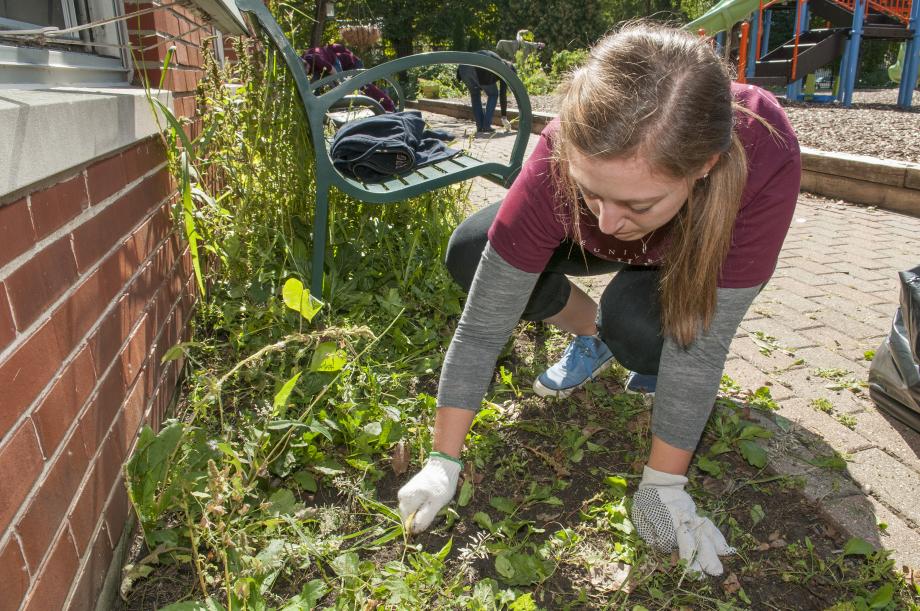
(273, 483)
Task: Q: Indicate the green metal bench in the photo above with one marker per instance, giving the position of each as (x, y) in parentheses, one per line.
(397, 188)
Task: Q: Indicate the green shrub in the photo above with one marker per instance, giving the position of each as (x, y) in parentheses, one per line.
(564, 62)
(531, 73)
(445, 75)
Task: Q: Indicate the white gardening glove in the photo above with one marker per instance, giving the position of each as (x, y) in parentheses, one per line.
(431, 489)
(506, 123)
(665, 517)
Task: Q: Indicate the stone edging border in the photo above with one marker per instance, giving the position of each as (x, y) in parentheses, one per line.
(892, 185)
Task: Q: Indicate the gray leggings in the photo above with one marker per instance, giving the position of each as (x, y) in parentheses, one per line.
(629, 315)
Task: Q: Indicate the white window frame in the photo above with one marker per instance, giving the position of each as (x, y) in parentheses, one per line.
(23, 66)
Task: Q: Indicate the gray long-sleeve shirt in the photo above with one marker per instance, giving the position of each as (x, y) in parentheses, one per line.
(688, 378)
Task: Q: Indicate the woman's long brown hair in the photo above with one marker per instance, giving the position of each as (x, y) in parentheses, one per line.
(664, 96)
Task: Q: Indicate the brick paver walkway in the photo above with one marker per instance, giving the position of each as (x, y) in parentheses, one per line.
(831, 299)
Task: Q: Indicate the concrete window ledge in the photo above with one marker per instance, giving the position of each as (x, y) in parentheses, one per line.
(51, 130)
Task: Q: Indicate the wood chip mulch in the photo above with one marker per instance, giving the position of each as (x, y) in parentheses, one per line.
(872, 126)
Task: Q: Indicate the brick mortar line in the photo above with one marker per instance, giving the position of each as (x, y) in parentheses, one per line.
(87, 215)
(911, 524)
(51, 461)
(891, 454)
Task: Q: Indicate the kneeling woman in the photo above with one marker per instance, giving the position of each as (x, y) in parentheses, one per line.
(662, 170)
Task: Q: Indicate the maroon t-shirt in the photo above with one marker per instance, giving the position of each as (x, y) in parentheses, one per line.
(530, 224)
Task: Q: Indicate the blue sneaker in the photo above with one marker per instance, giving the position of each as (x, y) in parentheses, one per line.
(584, 358)
(641, 383)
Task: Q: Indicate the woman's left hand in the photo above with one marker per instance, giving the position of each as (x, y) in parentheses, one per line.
(665, 517)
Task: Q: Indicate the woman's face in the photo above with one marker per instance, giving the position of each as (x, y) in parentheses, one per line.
(628, 197)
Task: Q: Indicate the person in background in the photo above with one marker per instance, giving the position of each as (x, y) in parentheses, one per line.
(523, 41)
(320, 62)
(662, 170)
(479, 81)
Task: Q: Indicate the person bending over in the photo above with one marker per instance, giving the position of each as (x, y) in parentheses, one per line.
(479, 81)
(662, 170)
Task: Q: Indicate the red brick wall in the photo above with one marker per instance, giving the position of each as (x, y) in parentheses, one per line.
(95, 286)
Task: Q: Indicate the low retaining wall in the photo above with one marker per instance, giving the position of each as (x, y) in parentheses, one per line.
(888, 184)
(463, 111)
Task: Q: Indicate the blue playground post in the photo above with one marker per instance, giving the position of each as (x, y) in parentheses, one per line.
(794, 89)
(767, 22)
(720, 42)
(850, 63)
(911, 62)
(752, 56)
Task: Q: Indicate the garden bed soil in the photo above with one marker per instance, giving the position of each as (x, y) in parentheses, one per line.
(769, 577)
(775, 566)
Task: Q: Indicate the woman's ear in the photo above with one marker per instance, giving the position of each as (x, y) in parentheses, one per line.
(704, 172)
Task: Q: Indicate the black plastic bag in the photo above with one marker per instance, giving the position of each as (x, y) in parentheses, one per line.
(894, 377)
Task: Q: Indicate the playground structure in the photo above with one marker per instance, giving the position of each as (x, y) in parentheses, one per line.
(794, 63)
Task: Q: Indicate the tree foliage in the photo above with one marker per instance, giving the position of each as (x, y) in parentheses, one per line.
(477, 24)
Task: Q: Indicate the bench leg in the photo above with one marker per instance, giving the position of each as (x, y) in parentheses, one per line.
(320, 220)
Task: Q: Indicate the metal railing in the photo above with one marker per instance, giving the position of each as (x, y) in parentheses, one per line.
(899, 9)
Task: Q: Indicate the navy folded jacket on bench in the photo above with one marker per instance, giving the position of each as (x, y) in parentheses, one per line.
(380, 147)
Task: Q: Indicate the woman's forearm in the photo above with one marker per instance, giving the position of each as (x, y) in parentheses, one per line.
(451, 424)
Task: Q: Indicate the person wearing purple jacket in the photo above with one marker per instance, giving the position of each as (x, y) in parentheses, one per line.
(320, 62)
(662, 170)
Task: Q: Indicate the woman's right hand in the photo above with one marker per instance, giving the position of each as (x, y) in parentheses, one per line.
(428, 492)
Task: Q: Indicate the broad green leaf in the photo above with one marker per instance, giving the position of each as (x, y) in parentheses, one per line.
(272, 554)
(616, 485)
(279, 405)
(524, 602)
(311, 593)
(833, 461)
(882, 597)
(321, 429)
(858, 547)
(484, 521)
(753, 453)
(148, 470)
(329, 467)
(299, 299)
(719, 447)
(283, 502)
(521, 569)
(502, 504)
(753, 431)
(306, 481)
(445, 550)
(707, 465)
(328, 357)
(346, 565)
(503, 567)
(466, 493)
(757, 514)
